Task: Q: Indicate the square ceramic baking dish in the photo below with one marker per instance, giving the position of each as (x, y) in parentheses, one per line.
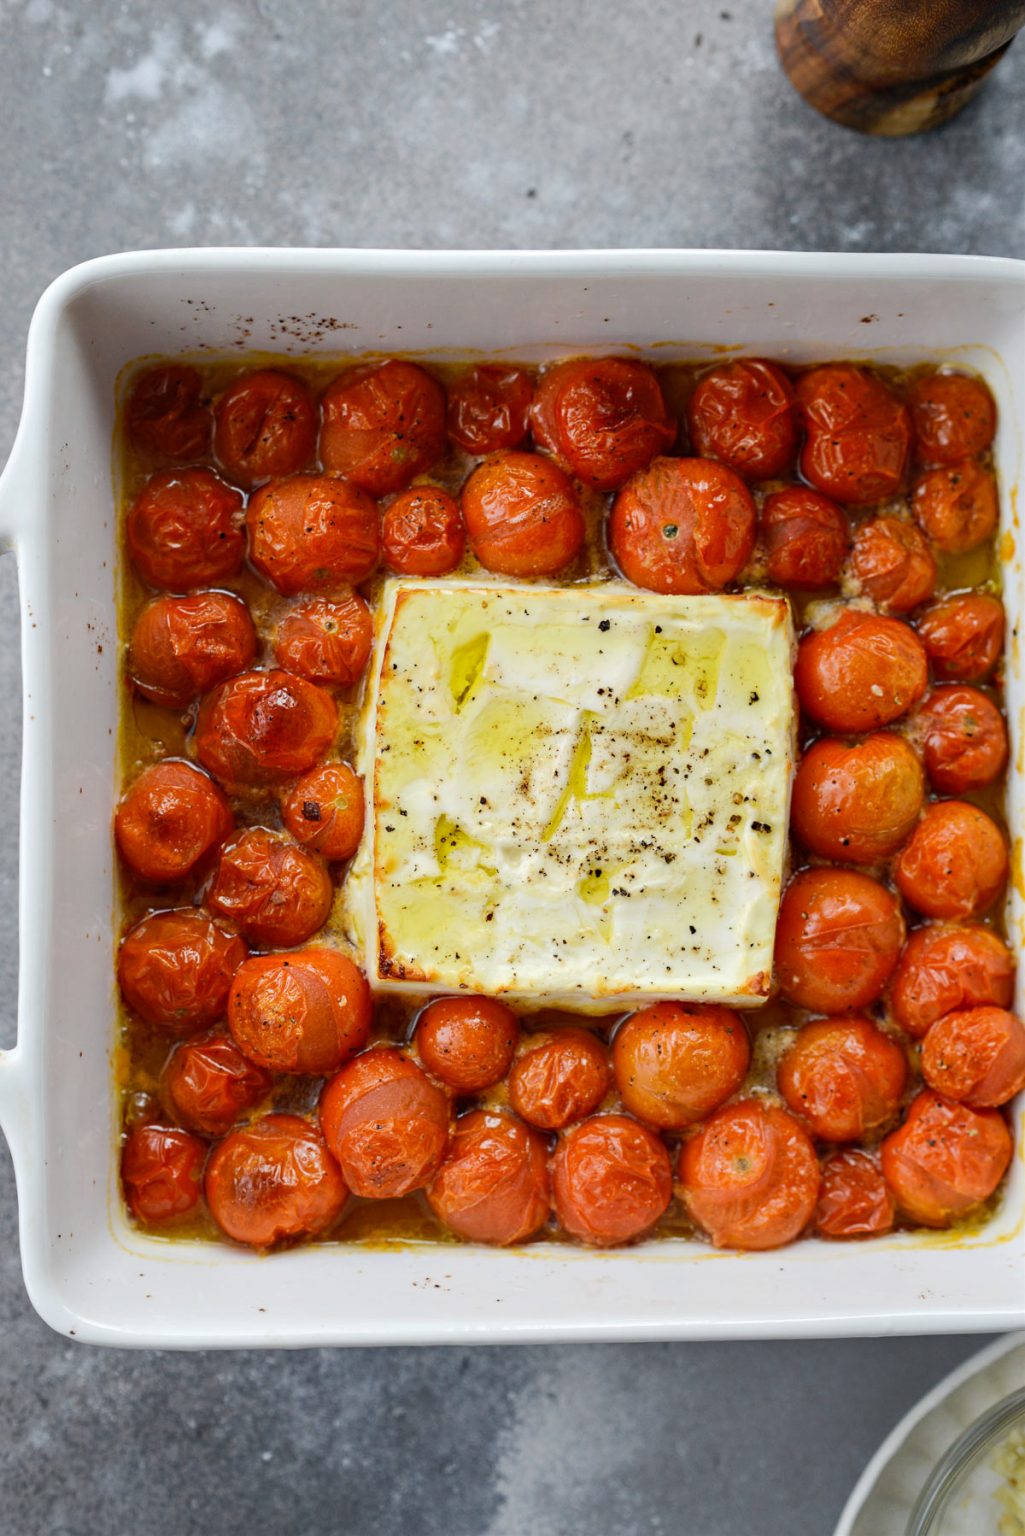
(91, 1275)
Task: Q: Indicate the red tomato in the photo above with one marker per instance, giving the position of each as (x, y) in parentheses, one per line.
(161, 1170)
(489, 408)
(976, 1056)
(843, 1077)
(945, 1159)
(493, 1185)
(838, 937)
(274, 1180)
(683, 525)
(957, 505)
(862, 672)
(312, 533)
(954, 417)
(858, 435)
(601, 418)
(963, 636)
(611, 1180)
(522, 515)
(805, 536)
(945, 966)
(955, 862)
(423, 533)
(750, 1176)
(467, 1042)
(382, 425)
(207, 1083)
(324, 810)
(276, 895)
(263, 727)
(559, 1078)
(742, 413)
(166, 415)
(676, 1062)
(964, 740)
(326, 642)
(386, 1123)
(304, 1012)
(175, 969)
(265, 424)
(854, 1200)
(183, 530)
(169, 820)
(892, 564)
(857, 803)
(182, 646)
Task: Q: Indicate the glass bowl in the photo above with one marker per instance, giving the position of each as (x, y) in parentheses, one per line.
(978, 1486)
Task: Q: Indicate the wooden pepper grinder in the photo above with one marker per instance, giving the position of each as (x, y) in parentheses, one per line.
(893, 67)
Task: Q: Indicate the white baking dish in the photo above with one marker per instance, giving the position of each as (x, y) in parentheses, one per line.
(88, 1273)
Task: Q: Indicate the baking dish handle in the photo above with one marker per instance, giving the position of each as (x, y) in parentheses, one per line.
(12, 498)
(13, 1100)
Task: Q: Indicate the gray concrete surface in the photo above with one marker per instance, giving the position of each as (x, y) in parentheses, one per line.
(443, 122)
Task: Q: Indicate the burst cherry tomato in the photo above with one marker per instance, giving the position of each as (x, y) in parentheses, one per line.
(326, 642)
(743, 414)
(976, 1056)
(843, 1077)
(683, 525)
(837, 940)
(955, 862)
(676, 1062)
(263, 727)
(945, 1159)
(467, 1042)
(312, 533)
(892, 564)
(183, 530)
(304, 1012)
(382, 425)
(162, 1171)
(750, 1176)
(166, 415)
(522, 515)
(957, 505)
(207, 1083)
(601, 418)
(386, 1123)
(324, 811)
(611, 1180)
(805, 536)
(489, 408)
(946, 967)
(265, 424)
(559, 1078)
(858, 435)
(273, 1181)
(175, 969)
(857, 803)
(963, 636)
(493, 1185)
(423, 533)
(182, 646)
(964, 740)
(854, 1200)
(276, 895)
(954, 417)
(862, 672)
(169, 820)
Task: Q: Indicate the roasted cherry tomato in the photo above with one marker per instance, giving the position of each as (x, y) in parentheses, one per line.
(175, 969)
(858, 434)
(166, 415)
(304, 1012)
(467, 1042)
(522, 515)
(955, 862)
(386, 1123)
(493, 1185)
(208, 1083)
(953, 416)
(945, 966)
(892, 564)
(963, 636)
(676, 1062)
(857, 802)
(324, 811)
(182, 646)
(275, 894)
(854, 1199)
(862, 672)
(263, 727)
(423, 533)
(976, 1056)
(169, 820)
(274, 1180)
(489, 408)
(312, 533)
(611, 1180)
(559, 1078)
(684, 526)
(601, 418)
(324, 641)
(742, 414)
(837, 940)
(805, 537)
(957, 505)
(265, 424)
(162, 1171)
(964, 739)
(843, 1077)
(183, 530)
(383, 425)
(750, 1176)
(945, 1159)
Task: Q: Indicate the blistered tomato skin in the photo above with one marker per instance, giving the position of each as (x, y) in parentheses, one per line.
(976, 1056)
(276, 894)
(263, 728)
(467, 1042)
(183, 530)
(956, 506)
(964, 740)
(312, 533)
(265, 424)
(854, 1199)
(837, 940)
(963, 636)
(208, 1084)
(611, 1180)
(559, 1078)
(857, 435)
(674, 1063)
(945, 1159)
(382, 426)
(948, 966)
(743, 414)
(493, 1184)
(522, 515)
(805, 537)
(892, 564)
(324, 811)
(856, 803)
(274, 1181)
(166, 415)
(843, 1078)
(683, 526)
(324, 641)
(303, 1012)
(386, 1123)
(169, 820)
(175, 969)
(601, 418)
(162, 1172)
(863, 672)
(954, 417)
(955, 862)
(182, 646)
(489, 408)
(750, 1176)
(423, 533)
